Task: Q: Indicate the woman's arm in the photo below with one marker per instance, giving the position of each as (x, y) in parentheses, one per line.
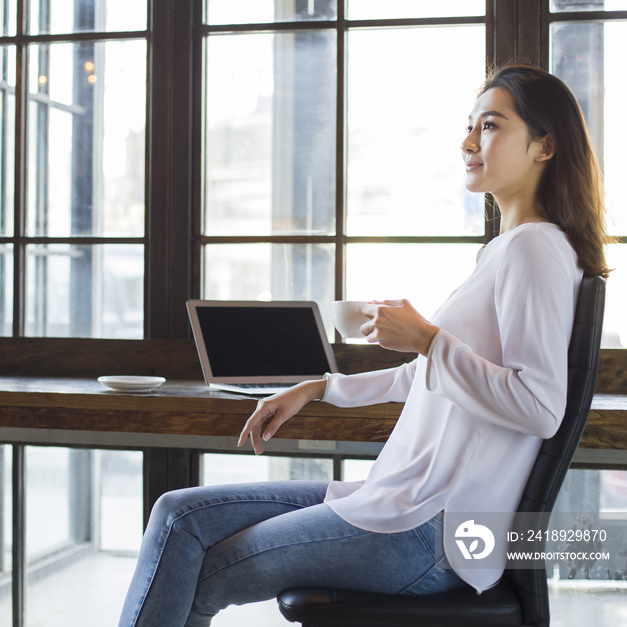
(368, 388)
(390, 385)
(535, 290)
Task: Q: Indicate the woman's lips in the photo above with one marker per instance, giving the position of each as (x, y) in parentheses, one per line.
(472, 165)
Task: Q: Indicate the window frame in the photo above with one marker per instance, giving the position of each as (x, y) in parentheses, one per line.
(20, 239)
(173, 238)
(340, 240)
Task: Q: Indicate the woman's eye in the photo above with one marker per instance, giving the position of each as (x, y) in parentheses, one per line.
(469, 129)
(488, 126)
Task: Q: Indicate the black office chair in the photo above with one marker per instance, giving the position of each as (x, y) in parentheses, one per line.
(521, 598)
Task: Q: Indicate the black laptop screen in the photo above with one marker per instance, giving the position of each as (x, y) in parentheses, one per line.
(262, 341)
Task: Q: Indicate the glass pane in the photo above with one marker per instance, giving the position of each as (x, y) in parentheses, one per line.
(614, 132)
(121, 500)
(6, 290)
(73, 16)
(614, 320)
(588, 57)
(375, 9)
(6, 536)
(356, 469)
(48, 527)
(270, 134)
(223, 469)
(405, 126)
(584, 593)
(7, 135)
(8, 15)
(259, 11)
(391, 271)
(85, 291)
(87, 138)
(560, 6)
(271, 272)
(70, 503)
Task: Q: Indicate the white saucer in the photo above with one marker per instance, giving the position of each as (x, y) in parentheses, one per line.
(131, 383)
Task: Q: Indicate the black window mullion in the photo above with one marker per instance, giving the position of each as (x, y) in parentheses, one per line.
(489, 32)
(20, 187)
(545, 28)
(18, 579)
(199, 123)
(340, 165)
(505, 31)
(528, 31)
(156, 322)
(181, 154)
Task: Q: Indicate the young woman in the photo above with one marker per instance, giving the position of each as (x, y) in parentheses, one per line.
(488, 385)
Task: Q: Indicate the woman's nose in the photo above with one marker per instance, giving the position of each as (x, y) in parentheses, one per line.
(469, 145)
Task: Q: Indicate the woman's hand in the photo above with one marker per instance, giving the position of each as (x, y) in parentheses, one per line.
(281, 407)
(396, 325)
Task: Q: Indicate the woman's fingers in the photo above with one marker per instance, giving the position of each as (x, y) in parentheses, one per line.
(274, 424)
(280, 407)
(253, 426)
(396, 325)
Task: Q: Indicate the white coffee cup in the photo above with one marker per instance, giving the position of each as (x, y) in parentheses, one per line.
(348, 317)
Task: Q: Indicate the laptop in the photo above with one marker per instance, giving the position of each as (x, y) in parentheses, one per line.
(259, 348)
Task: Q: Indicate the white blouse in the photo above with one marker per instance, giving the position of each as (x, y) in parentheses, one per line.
(477, 409)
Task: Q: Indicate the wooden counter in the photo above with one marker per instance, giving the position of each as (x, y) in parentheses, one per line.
(189, 408)
(176, 408)
(74, 401)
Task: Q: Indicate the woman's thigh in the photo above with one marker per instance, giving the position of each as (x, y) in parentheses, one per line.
(184, 524)
(315, 547)
(213, 513)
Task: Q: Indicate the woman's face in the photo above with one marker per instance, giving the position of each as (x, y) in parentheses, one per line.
(499, 155)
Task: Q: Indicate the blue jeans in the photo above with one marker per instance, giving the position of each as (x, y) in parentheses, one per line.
(209, 547)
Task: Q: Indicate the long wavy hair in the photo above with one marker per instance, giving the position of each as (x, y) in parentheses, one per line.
(570, 192)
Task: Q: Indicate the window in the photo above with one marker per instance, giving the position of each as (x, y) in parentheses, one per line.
(324, 129)
(72, 211)
(296, 150)
(83, 525)
(587, 49)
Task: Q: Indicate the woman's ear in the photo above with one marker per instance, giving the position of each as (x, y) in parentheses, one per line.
(546, 148)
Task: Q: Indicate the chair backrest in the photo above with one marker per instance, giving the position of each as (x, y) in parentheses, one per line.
(557, 452)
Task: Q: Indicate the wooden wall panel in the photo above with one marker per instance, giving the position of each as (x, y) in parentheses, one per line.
(178, 359)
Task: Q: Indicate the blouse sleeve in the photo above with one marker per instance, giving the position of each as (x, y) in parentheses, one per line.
(369, 388)
(534, 305)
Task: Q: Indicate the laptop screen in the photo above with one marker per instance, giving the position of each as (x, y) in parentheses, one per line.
(256, 341)
(251, 342)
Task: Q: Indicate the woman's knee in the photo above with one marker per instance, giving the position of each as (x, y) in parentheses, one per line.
(170, 506)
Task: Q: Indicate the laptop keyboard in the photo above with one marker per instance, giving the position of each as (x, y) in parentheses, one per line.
(263, 385)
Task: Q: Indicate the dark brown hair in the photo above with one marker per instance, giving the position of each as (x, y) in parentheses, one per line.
(570, 192)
